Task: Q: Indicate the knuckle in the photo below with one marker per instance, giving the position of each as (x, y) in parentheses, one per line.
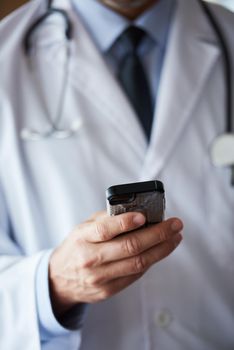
(139, 264)
(162, 234)
(124, 224)
(79, 243)
(102, 231)
(98, 259)
(94, 280)
(84, 263)
(87, 256)
(76, 231)
(89, 262)
(132, 245)
(105, 293)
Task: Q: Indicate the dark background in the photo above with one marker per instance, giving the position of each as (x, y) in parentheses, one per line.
(6, 6)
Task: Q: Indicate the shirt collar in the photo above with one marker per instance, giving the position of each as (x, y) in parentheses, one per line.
(105, 25)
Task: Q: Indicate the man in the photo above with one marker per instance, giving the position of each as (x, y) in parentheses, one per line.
(92, 288)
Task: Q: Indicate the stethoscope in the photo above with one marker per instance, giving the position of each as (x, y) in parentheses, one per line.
(222, 149)
(53, 131)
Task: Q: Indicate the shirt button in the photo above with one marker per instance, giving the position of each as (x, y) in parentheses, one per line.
(163, 319)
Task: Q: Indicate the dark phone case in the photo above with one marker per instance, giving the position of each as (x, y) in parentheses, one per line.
(146, 197)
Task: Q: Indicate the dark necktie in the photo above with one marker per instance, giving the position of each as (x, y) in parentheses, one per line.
(133, 79)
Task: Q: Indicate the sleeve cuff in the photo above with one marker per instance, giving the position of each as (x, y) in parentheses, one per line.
(49, 327)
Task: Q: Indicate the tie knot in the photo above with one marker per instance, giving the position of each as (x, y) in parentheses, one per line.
(132, 38)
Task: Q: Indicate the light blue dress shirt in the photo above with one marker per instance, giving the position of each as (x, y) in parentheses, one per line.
(104, 27)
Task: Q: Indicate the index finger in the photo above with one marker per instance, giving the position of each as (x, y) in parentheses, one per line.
(109, 227)
(139, 241)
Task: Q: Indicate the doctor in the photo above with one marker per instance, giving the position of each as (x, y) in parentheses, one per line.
(63, 269)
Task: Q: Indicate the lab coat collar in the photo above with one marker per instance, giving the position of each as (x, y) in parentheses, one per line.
(191, 54)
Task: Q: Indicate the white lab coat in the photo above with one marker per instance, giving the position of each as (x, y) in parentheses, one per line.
(49, 186)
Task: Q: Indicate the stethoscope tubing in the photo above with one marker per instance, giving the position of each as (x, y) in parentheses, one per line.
(40, 20)
(227, 66)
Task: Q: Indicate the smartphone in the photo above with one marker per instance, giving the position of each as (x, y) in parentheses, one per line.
(147, 197)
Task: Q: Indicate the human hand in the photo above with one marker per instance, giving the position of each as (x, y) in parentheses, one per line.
(99, 259)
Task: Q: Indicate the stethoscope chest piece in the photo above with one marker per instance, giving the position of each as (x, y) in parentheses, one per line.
(28, 134)
(222, 150)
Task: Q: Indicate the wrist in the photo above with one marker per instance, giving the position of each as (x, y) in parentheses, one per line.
(61, 301)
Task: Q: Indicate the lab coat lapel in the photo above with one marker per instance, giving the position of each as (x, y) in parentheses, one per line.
(191, 54)
(93, 79)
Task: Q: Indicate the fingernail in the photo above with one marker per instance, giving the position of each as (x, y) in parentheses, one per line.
(176, 225)
(177, 239)
(139, 220)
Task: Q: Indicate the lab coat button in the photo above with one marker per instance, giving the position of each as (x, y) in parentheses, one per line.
(163, 318)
